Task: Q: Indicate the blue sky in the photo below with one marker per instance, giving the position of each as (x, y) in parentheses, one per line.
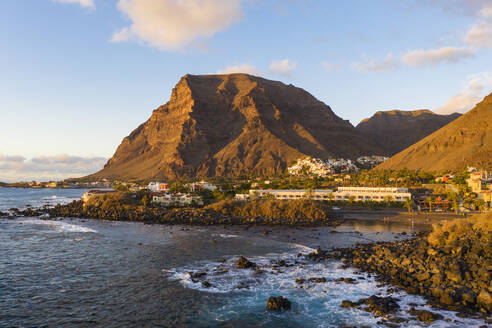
(79, 75)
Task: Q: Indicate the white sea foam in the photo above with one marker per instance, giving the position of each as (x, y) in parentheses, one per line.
(319, 302)
(59, 226)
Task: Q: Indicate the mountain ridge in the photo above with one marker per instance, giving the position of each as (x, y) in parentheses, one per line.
(226, 125)
(466, 141)
(395, 130)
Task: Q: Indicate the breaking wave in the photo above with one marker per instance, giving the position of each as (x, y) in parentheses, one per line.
(316, 304)
(59, 226)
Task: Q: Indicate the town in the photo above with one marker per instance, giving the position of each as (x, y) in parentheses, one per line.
(467, 191)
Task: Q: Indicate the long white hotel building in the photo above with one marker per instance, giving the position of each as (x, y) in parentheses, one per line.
(357, 194)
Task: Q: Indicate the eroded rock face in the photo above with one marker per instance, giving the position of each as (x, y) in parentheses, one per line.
(278, 303)
(466, 141)
(396, 130)
(227, 125)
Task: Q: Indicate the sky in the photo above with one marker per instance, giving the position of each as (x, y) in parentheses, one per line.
(77, 76)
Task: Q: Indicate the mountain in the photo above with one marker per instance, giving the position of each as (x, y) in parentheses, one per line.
(467, 141)
(395, 130)
(227, 125)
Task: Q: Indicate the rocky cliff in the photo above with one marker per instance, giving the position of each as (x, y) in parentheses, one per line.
(226, 125)
(467, 141)
(396, 130)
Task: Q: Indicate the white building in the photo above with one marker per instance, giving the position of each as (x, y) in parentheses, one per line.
(316, 194)
(319, 167)
(356, 194)
(177, 199)
(202, 185)
(375, 194)
(91, 193)
(158, 186)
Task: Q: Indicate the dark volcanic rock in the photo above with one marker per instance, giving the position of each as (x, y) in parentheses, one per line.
(484, 300)
(347, 304)
(453, 275)
(317, 280)
(278, 303)
(244, 263)
(425, 316)
(380, 305)
(206, 284)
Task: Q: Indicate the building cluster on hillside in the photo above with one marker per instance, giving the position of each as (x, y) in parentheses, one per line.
(156, 186)
(94, 193)
(319, 167)
(164, 197)
(480, 182)
(161, 193)
(355, 194)
(370, 161)
(68, 184)
(179, 199)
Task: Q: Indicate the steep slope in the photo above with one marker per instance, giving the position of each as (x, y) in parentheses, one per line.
(395, 130)
(224, 125)
(467, 141)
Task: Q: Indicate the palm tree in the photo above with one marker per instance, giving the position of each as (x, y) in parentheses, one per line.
(429, 201)
(309, 193)
(453, 198)
(408, 204)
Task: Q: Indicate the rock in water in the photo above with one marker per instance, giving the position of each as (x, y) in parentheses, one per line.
(380, 306)
(244, 263)
(227, 125)
(278, 303)
(425, 316)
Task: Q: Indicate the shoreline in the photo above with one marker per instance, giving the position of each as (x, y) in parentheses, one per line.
(396, 215)
(449, 266)
(312, 236)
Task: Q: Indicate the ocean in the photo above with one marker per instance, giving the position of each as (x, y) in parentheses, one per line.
(90, 273)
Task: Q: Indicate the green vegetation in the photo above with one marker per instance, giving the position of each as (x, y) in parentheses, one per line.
(269, 208)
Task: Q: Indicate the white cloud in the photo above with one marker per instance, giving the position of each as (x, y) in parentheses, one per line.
(331, 67)
(476, 88)
(18, 168)
(245, 68)
(480, 34)
(372, 65)
(83, 3)
(486, 11)
(174, 24)
(282, 67)
(420, 58)
(11, 159)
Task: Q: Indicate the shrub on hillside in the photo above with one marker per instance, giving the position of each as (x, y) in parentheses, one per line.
(449, 233)
(272, 209)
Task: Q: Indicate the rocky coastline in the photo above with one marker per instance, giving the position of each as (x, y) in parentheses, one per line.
(450, 266)
(170, 216)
